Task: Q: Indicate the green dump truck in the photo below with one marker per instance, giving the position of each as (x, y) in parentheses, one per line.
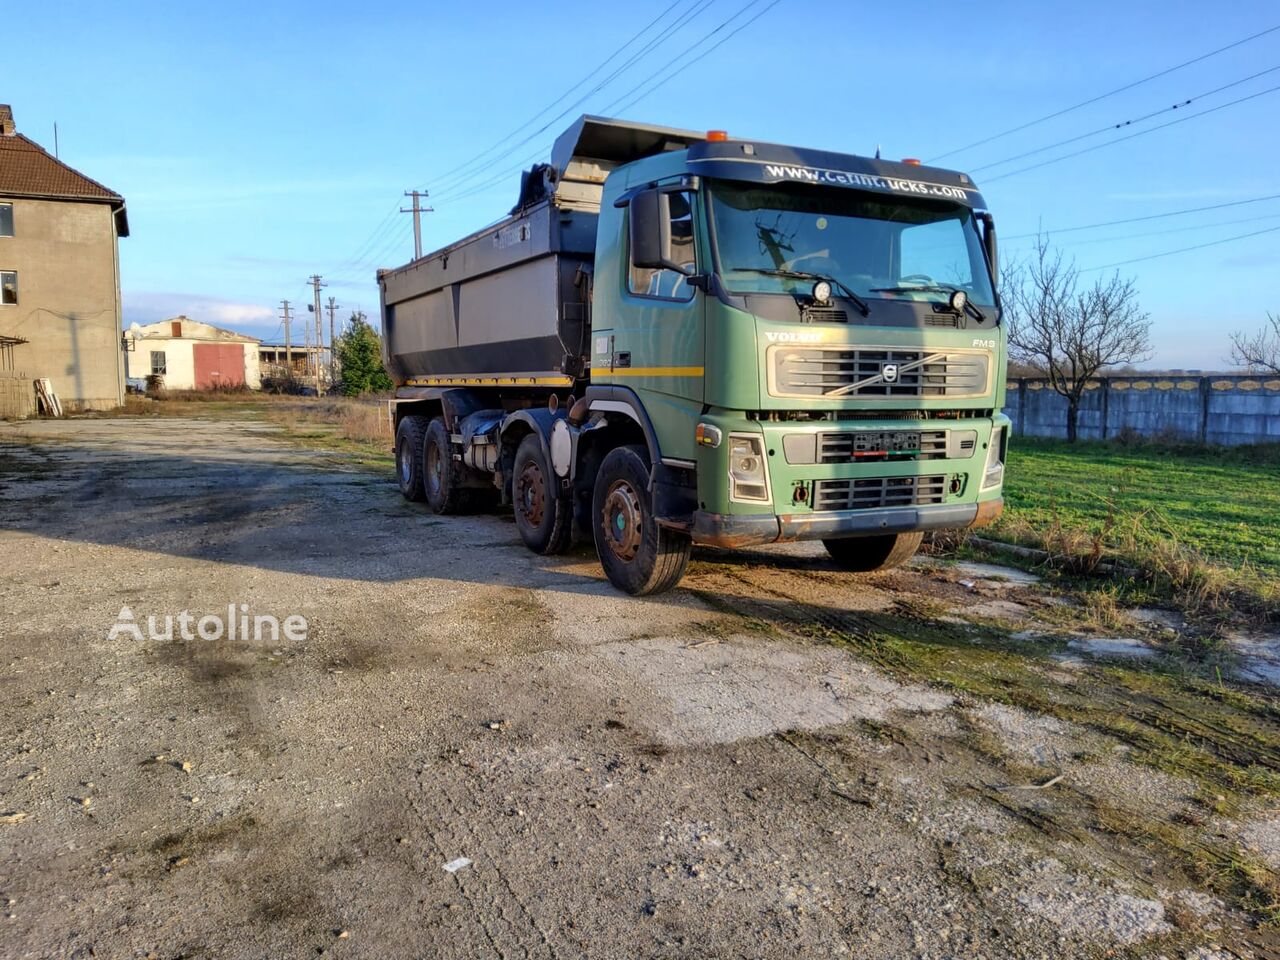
(681, 338)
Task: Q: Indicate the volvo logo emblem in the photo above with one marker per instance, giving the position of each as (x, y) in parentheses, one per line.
(889, 373)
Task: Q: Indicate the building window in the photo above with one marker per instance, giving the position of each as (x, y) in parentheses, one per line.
(157, 363)
(6, 219)
(8, 286)
(669, 284)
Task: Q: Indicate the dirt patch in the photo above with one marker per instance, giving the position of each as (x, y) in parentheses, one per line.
(779, 759)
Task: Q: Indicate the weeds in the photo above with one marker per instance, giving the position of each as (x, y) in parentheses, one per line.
(1146, 561)
(356, 420)
(1166, 525)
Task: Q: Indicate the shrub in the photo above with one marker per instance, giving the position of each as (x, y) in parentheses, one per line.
(359, 352)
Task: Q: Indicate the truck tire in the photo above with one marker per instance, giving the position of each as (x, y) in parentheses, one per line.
(869, 554)
(409, 435)
(639, 557)
(543, 518)
(441, 474)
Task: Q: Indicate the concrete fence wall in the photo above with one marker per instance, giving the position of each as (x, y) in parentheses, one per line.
(1226, 409)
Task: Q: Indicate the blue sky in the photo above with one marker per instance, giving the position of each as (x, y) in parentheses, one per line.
(258, 143)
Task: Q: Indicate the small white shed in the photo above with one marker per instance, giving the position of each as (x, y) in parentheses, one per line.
(191, 355)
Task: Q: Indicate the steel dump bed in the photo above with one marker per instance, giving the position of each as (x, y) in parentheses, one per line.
(511, 303)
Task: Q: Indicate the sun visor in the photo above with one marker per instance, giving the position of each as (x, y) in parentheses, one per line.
(775, 164)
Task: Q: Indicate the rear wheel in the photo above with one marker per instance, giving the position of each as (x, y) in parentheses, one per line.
(409, 437)
(639, 557)
(869, 554)
(441, 474)
(542, 516)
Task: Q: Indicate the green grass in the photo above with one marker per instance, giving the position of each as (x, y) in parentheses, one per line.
(1222, 503)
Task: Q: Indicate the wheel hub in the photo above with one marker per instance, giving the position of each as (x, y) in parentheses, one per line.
(531, 493)
(435, 468)
(623, 516)
(406, 468)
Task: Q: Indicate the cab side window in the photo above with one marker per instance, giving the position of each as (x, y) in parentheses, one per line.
(668, 284)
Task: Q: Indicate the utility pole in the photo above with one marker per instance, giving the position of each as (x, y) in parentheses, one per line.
(288, 352)
(333, 344)
(306, 348)
(417, 210)
(316, 284)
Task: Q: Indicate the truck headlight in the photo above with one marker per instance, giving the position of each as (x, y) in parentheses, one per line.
(748, 478)
(993, 474)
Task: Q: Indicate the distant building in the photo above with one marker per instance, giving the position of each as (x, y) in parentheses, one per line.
(59, 278)
(295, 362)
(191, 355)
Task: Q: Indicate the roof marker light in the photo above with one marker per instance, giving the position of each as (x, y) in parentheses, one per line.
(912, 161)
(717, 136)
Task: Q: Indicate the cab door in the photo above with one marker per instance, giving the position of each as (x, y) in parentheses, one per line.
(656, 342)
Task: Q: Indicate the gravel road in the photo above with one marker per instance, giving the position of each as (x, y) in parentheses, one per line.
(681, 776)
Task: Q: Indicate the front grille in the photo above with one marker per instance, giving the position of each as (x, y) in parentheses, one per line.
(879, 446)
(876, 373)
(873, 447)
(824, 315)
(812, 416)
(871, 492)
(944, 316)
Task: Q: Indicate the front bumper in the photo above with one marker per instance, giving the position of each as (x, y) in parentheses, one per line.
(724, 530)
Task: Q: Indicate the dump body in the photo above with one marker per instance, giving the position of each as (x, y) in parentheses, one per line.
(509, 301)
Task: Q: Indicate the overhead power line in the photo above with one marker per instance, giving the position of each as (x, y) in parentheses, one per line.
(501, 175)
(689, 63)
(1159, 233)
(400, 234)
(1109, 93)
(387, 226)
(1126, 123)
(1170, 253)
(1140, 133)
(1150, 216)
(443, 177)
(653, 43)
(475, 189)
(648, 48)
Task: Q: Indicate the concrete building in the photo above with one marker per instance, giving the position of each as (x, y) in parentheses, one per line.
(59, 278)
(191, 355)
(297, 361)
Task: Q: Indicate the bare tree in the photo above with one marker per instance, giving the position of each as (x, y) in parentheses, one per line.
(1068, 330)
(1258, 352)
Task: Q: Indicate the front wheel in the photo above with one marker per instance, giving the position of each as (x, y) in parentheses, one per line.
(869, 554)
(543, 517)
(639, 557)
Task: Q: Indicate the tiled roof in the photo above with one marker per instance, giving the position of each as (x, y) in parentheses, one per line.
(27, 170)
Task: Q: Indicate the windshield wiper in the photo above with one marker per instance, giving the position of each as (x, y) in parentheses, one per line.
(933, 288)
(863, 307)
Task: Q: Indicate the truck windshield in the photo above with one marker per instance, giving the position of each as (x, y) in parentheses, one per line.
(878, 248)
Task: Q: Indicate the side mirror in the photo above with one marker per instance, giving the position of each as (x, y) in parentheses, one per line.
(650, 231)
(989, 242)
